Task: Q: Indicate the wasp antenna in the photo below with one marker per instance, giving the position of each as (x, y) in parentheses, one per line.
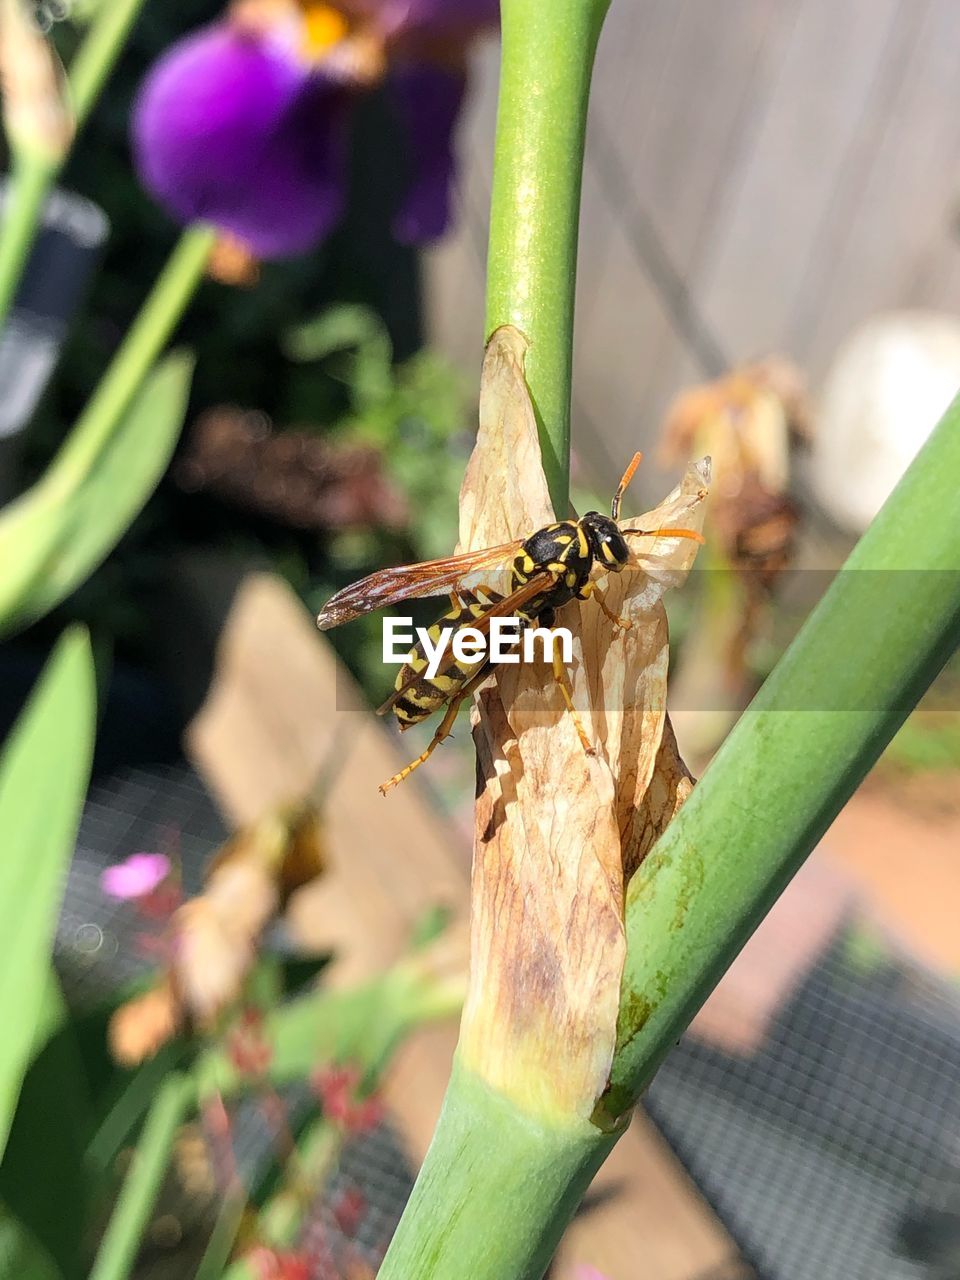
(624, 481)
(692, 534)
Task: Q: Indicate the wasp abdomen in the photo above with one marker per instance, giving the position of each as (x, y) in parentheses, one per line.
(422, 694)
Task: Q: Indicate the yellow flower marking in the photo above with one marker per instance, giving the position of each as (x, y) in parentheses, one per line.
(323, 27)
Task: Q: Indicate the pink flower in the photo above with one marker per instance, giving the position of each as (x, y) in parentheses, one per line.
(588, 1273)
(135, 877)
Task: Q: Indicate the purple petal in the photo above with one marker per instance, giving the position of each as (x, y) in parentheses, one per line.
(427, 99)
(137, 876)
(457, 18)
(230, 128)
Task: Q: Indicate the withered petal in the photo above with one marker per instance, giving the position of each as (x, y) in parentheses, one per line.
(555, 826)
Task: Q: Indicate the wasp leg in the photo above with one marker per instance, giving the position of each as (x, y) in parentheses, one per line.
(623, 624)
(560, 675)
(591, 589)
(443, 731)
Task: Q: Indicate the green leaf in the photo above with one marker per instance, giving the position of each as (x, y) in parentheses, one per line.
(131, 1213)
(54, 536)
(44, 1182)
(357, 330)
(20, 1253)
(44, 771)
(360, 1024)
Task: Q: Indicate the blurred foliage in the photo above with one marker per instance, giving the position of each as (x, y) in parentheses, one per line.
(335, 374)
(61, 529)
(43, 778)
(414, 412)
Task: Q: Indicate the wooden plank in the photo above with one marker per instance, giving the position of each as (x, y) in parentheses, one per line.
(894, 240)
(796, 157)
(814, 117)
(279, 704)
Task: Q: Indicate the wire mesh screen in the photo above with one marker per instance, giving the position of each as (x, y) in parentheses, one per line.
(831, 1153)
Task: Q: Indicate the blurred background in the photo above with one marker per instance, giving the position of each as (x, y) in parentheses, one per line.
(769, 273)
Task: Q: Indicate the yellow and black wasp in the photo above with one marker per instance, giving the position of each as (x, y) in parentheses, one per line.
(548, 569)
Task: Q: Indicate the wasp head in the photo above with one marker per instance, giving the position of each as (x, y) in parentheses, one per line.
(606, 541)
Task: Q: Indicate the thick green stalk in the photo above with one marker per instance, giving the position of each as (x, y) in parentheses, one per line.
(496, 1190)
(497, 1187)
(120, 1242)
(146, 338)
(545, 69)
(33, 172)
(860, 664)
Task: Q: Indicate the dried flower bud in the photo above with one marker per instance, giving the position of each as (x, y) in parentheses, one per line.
(746, 422)
(215, 937)
(212, 939)
(139, 1028)
(193, 1163)
(557, 829)
(36, 113)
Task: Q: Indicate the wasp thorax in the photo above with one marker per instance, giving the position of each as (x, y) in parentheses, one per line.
(606, 541)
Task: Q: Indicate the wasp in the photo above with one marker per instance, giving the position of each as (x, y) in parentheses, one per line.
(547, 569)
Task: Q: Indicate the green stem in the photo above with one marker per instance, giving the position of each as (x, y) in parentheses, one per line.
(27, 185)
(865, 656)
(127, 1111)
(362, 1025)
(546, 64)
(145, 340)
(216, 1256)
(32, 174)
(281, 1219)
(94, 60)
(496, 1190)
(121, 1240)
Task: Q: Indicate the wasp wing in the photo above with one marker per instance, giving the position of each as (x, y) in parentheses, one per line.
(409, 582)
(501, 609)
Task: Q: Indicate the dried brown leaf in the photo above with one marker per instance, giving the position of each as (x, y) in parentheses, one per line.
(745, 421)
(556, 827)
(142, 1026)
(213, 938)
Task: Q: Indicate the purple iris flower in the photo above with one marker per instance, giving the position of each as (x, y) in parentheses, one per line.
(244, 124)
